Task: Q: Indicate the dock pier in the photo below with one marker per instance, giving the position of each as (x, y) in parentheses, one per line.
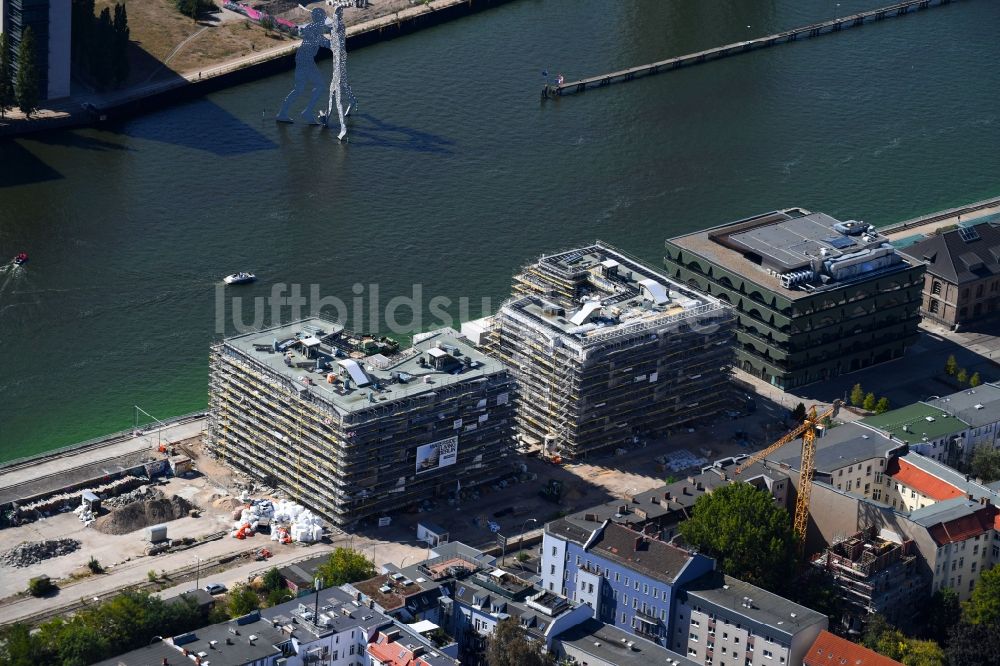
(719, 52)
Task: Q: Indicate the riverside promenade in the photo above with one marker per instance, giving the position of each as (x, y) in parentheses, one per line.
(95, 108)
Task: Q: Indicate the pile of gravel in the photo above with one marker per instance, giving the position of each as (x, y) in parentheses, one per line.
(138, 515)
(140, 493)
(33, 552)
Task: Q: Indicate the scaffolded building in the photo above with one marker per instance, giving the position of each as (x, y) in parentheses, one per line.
(353, 427)
(874, 576)
(606, 351)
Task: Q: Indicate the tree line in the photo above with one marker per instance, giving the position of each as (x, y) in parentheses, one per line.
(100, 44)
(22, 89)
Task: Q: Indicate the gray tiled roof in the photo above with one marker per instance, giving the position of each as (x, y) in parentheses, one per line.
(956, 260)
(610, 644)
(649, 557)
(844, 445)
(726, 595)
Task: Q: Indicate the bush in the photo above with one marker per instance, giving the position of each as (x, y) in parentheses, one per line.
(94, 565)
(39, 586)
(151, 575)
(523, 557)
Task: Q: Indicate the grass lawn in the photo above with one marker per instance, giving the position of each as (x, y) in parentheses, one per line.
(157, 28)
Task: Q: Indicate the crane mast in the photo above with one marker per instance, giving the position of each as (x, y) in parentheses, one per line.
(806, 470)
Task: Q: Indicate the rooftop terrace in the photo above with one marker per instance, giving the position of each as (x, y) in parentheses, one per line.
(352, 373)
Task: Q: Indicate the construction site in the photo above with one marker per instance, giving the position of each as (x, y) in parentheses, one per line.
(354, 427)
(874, 575)
(609, 353)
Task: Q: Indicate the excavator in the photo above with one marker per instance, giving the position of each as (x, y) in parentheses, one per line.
(807, 469)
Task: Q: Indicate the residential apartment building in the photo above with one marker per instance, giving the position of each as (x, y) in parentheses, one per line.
(49, 21)
(627, 578)
(927, 429)
(979, 408)
(660, 511)
(723, 621)
(354, 427)
(608, 351)
(596, 644)
(960, 538)
(815, 297)
(874, 575)
(962, 284)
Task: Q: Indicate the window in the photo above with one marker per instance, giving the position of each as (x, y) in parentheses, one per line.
(877, 495)
(935, 306)
(637, 585)
(868, 470)
(768, 654)
(624, 618)
(848, 485)
(626, 581)
(553, 550)
(625, 600)
(936, 287)
(972, 584)
(695, 623)
(913, 494)
(552, 569)
(663, 615)
(645, 589)
(693, 636)
(618, 577)
(840, 472)
(635, 602)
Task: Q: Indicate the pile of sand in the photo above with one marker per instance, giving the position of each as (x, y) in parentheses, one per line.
(138, 515)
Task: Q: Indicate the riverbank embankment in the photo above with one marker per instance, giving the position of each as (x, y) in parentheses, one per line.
(155, 95)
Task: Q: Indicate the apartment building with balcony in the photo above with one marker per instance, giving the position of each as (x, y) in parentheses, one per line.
(815, 297)
(627, 578)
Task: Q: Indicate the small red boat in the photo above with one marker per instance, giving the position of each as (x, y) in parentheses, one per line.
(21, 258)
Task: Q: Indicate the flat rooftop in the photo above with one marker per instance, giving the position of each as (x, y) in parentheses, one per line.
(350, 373)
(795, 252)
(842, 446)
(615, 293)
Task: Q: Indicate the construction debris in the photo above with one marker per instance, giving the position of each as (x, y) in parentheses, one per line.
(288, 520)
(138, 515)
(33, 552)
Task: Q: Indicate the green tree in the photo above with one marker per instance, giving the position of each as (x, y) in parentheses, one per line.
(749, 535)
(279, 596)
(26, 84)
(882, 406)
(799, 413)
(889, 641)
(7, 97)
(951, 365)
(857, 395)
(942, 614)
(975, 380)
(869, 402)
(508, 645)
(95, 566)
(267, 22)
(985, 463)
(273, 580)
(345, 566)
(962, 377)
(983, 607)
(241, 600)
(39, 586)
(973, 645)
(102, 54)
(120, 65)
(18, 647)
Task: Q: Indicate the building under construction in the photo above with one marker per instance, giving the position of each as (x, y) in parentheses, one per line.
(354, 427)
(874, 576)
(608, 351)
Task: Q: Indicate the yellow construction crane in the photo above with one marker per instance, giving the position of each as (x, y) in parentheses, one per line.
(806, 470)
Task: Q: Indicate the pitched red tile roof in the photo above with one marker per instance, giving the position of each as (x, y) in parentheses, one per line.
(966, 527)
(926, 484)
(830, 650)
(388, 651)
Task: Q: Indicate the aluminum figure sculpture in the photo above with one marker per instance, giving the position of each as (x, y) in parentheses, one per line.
(340, 87)
(307, 74)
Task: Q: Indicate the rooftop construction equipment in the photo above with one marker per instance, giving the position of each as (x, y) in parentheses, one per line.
(351, 426)
(608, 351)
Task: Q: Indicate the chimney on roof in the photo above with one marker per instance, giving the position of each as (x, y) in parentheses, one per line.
(691, 480)
(638, 542)
(667, 496)
(700, 486)
(684, 490)
(970, 496)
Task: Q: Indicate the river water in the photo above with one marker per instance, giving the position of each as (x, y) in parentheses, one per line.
(455, 174)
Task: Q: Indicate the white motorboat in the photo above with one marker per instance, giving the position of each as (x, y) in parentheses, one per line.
(240, 278)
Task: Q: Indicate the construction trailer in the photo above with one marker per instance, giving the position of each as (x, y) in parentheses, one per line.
(354, 427)
(608, 352)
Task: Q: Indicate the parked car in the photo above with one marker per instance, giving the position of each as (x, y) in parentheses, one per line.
(215, 588)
